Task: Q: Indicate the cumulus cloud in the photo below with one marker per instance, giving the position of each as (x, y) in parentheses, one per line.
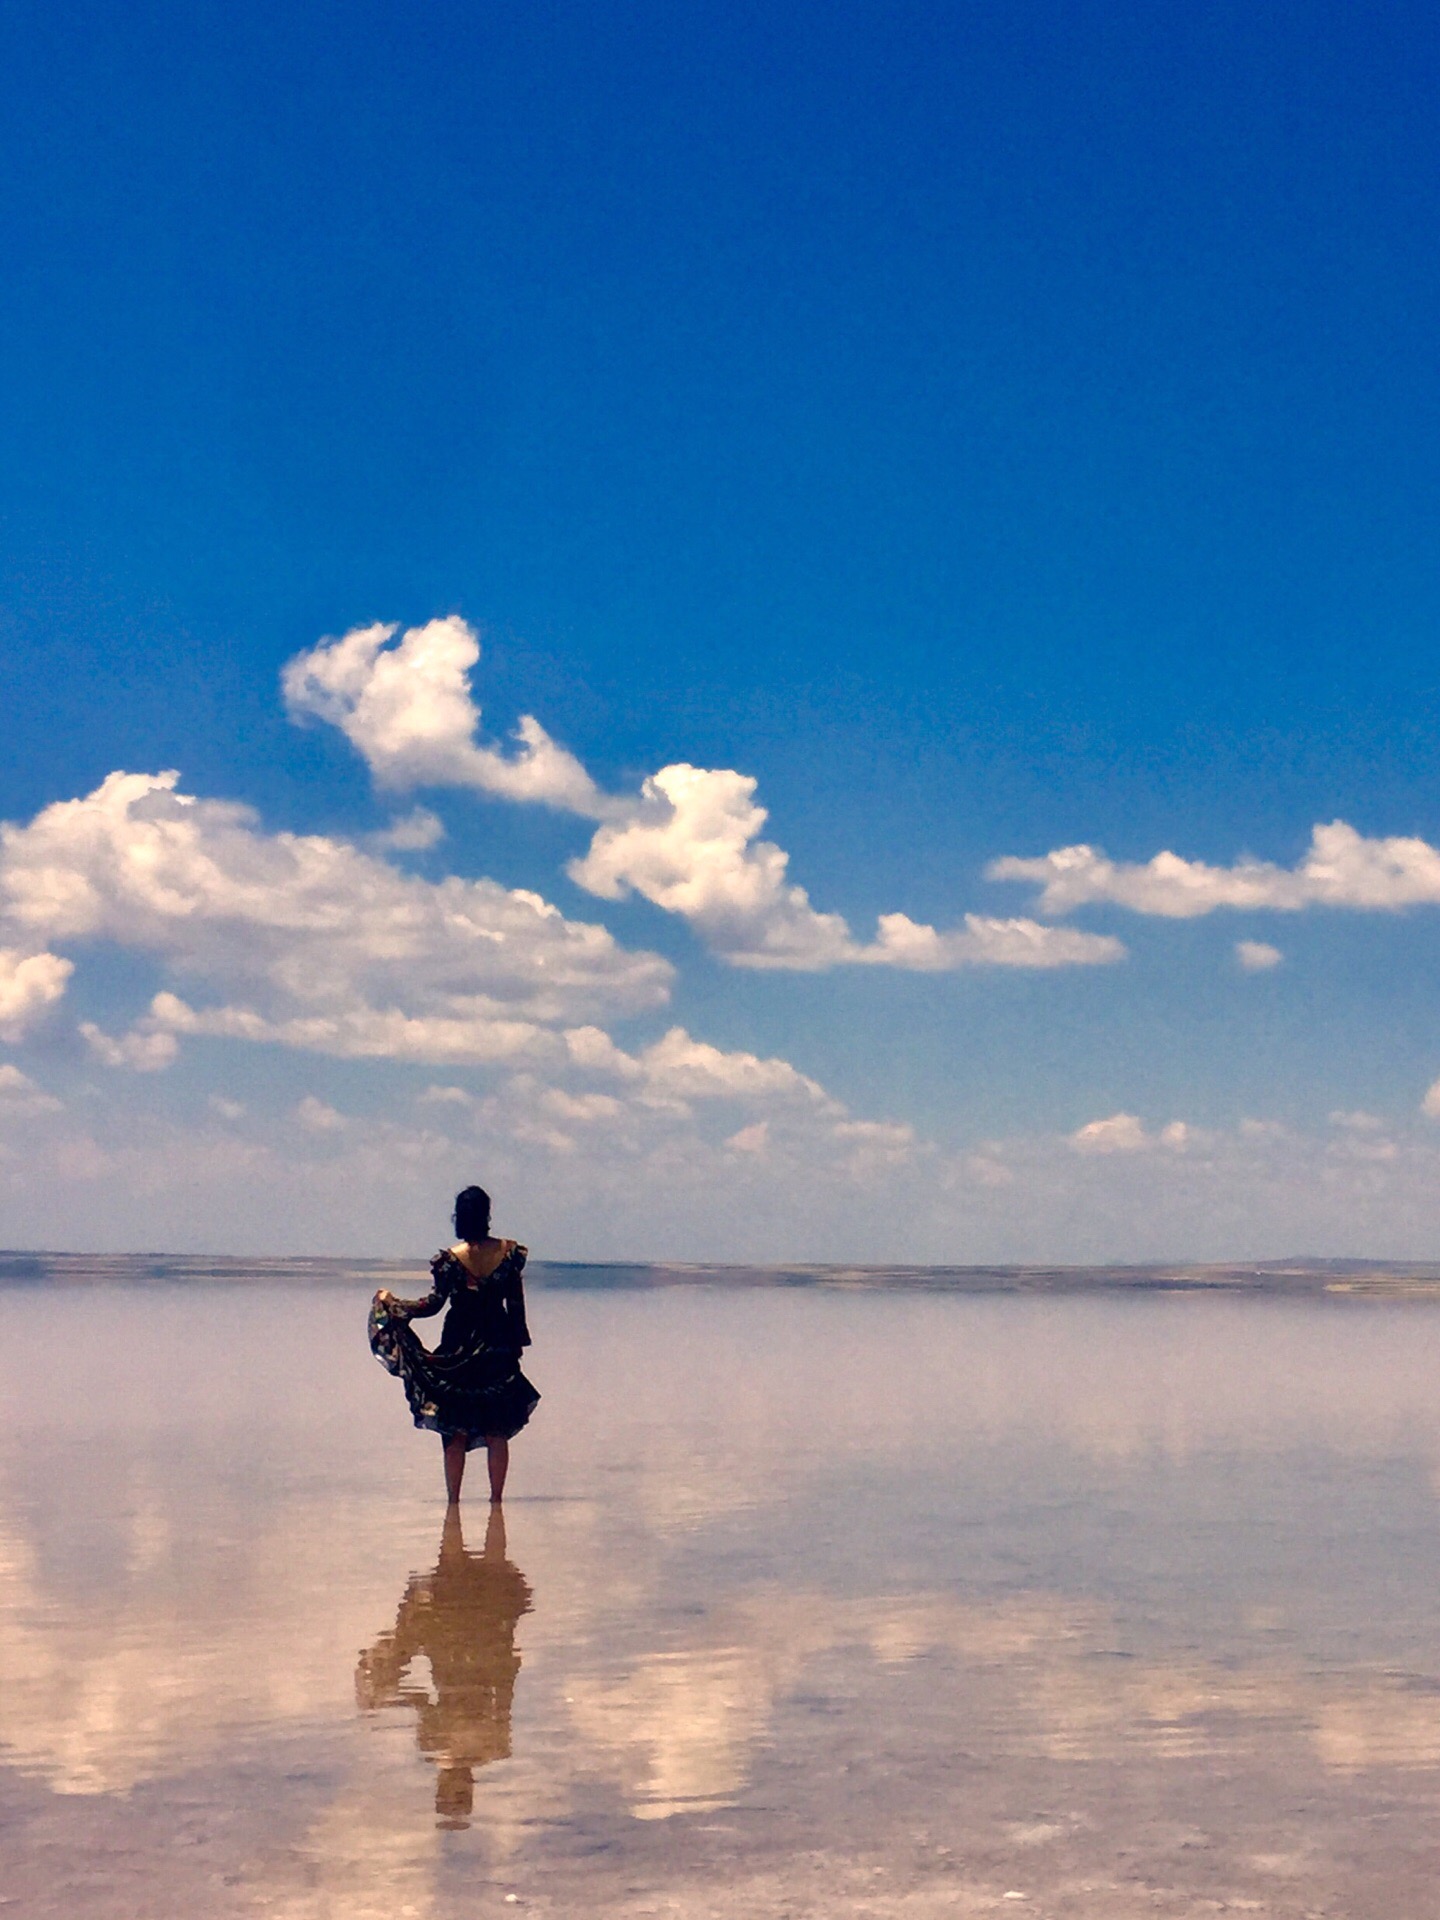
(407, 708)
(581, 1109)
(692, 847)
(1126, 1133)
(1257, 956)
(147, 1048)
(593, 1049)
(677, 1069)
(1431, 1103)
(412, 832)
(30, 984)
(873, 1148)
(689, 842)
(689, 1069)
(316, 944)
(19, 1094)
(1342, 868)
(680, 1114)
(986, 1169)
(674, 1102)
(358, 1032)
(655, 1181)
(300, 940)
(1121, 1133)
(435, 1096)
(985, 942)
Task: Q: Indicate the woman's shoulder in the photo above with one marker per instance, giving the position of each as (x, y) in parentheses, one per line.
(511, 1262)
(449, 1265)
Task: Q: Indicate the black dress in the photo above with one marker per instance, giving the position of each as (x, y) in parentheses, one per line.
(471, 1384)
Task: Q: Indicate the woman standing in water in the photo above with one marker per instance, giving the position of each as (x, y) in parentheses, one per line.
(470, 1389)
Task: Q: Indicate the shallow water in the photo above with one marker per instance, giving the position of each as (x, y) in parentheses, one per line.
(806, 1603)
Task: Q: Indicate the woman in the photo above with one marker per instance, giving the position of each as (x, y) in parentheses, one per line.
(470, 1389)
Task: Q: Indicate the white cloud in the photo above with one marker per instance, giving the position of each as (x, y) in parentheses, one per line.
(411, 832)
(651, 1121)
(985, 942)
(1257, 956)
(19, 1094)
(581, 1109)
(539, 1133)
(593, 1049)
(669, 1180)
(1364, 1146)
(225, 1108)
(688, 842)
(691, 846)
(1126, 1133)
(445, 1097)
(688, 1069)
(30, 984)
(407, 709)
(1431, 1103)
(667, 1105)
(987, 1170)
(1342, 868)
(1357, 1122)
(307, 941)
(677, 1069)
(877, 1133)
(359, 1032)
(146, 1048)
(1121, 1133)
(875, 1147)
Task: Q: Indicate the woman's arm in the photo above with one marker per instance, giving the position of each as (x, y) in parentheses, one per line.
(515, 1301)
(380, 1672)
(428, 1303)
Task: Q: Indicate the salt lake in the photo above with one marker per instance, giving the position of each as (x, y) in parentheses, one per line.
(807, 1601)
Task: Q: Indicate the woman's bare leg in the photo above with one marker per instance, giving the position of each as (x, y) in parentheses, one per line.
(454, 1464)
(498, 1448)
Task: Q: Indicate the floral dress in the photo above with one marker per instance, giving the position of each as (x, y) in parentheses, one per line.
(471, 1383)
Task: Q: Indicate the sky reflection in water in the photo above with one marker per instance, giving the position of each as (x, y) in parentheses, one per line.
(816, 1602)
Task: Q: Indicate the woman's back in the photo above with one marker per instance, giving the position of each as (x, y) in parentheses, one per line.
(469, 1388)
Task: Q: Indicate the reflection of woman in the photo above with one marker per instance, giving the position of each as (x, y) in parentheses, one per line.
(470, 1390)
(462, 1617)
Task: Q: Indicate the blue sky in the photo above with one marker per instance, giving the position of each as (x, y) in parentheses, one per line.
(989, 433)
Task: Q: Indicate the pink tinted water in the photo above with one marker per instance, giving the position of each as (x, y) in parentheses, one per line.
(806, 1603)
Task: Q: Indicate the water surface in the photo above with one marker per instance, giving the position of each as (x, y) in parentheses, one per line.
(805, 1603)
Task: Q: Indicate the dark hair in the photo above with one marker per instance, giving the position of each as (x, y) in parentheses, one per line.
(472, 1214)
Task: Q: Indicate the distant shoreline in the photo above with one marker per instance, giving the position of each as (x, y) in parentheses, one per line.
(1393, 1279)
